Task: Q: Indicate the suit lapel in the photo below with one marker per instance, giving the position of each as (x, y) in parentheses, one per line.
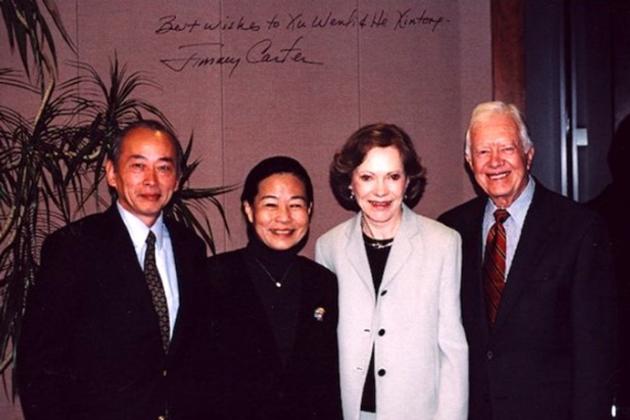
(356, 254)
(183, 267)
(475, 248)
(536, 232)
(401, 248)
(133, 281)
(125, 280)
(472, 291)
(123, 255)
(256, 317)
(309, 295)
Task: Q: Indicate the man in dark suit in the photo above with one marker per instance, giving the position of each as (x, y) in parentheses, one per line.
(108, 318)
(538, 311)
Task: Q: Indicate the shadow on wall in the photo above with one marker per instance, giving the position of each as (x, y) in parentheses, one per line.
(8, 409)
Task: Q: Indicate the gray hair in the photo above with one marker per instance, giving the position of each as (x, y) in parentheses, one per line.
(484, 109)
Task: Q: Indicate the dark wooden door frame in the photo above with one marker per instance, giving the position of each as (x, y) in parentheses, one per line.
(508, 57)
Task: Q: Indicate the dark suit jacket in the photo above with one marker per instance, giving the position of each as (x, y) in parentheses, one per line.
(90, 346)
(550, 355)
(256, 384)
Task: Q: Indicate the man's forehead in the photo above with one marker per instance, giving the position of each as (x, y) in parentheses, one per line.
(140, 156)
(147, 139)
(495, 130)
(496, 138)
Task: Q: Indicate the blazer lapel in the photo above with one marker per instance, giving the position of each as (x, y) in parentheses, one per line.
(356, 254)
(183, 267)
(132, 282)
(255, 317)
(402, 247)
(122, 254)
(309, 295)
(125, 281)
(536, 232)
(472, 291)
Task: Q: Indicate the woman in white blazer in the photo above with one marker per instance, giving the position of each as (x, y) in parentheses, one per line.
(402, 349)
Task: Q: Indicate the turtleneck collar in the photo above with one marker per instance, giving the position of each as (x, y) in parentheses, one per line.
(275, 261)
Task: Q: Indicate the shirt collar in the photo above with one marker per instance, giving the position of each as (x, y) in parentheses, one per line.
(518, 209)
(138, 230)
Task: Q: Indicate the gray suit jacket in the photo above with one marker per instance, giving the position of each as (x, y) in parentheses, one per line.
(414, 325)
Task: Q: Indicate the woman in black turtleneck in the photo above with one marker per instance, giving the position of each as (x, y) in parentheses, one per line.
(275, 311)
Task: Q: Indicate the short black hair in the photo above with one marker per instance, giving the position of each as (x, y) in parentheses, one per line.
(272, 166)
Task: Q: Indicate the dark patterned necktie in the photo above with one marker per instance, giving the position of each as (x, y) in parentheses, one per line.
(494, 264)
(152, 277)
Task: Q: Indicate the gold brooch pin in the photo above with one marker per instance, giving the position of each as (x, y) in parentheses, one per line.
(319, 314)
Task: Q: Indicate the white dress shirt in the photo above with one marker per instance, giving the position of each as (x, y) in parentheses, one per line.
(513, 225)
(164, 257)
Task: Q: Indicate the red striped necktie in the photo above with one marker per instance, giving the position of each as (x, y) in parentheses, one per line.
(494, 264)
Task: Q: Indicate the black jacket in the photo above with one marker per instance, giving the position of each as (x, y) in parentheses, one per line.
(257, 386)
(551, 353)
(90, 346)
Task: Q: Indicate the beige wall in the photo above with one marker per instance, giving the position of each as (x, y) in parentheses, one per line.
(424, 76)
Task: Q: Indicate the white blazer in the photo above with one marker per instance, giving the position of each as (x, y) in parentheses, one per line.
(415, 324)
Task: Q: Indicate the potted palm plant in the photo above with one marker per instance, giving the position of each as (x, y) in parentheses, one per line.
(52, 164)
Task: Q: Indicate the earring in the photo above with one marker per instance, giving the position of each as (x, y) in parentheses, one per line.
(351, 193)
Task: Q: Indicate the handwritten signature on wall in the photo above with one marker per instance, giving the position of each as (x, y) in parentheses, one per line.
(262, 51)
(197, 55)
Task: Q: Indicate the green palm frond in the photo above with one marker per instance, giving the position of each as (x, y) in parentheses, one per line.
(29, 33)
(52, 166)
(189, 205)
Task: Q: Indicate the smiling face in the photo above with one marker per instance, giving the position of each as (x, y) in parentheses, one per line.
(145, 175)
(379, 185)
(280, 211)
(497, 158)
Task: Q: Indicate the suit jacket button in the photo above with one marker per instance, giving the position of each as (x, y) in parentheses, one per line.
(381, 372)
(164, 372)
(384, 292)
(381, 332)
(490, 355)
